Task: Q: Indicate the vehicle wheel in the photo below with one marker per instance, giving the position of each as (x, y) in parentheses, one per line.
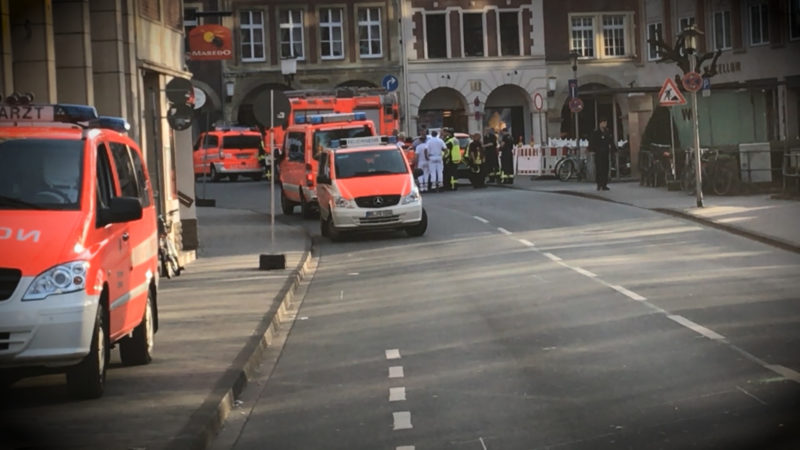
(233, 177)
(323, 226)
(287, 206)
(332, 233)
(565, 170)
(138, 348)
(419, 229)
(723, 181)
(213, 174)
(88, 378)
(306, 209)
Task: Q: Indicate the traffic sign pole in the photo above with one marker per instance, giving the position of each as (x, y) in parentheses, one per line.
(698, 180)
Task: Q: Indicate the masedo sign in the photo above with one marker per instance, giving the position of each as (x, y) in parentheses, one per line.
(210, 42)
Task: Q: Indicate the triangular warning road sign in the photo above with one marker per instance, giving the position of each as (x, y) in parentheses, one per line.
(669, 95)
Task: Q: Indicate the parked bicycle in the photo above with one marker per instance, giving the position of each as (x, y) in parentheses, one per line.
(169, 264)
(654, 167)
(719, 172)
(572, 164)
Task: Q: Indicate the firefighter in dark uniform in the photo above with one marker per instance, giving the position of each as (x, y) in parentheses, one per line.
(506, 158)
(491, 167)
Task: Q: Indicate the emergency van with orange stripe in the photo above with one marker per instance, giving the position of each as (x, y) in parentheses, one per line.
(303, 143)
(366, 184)
(78, 245)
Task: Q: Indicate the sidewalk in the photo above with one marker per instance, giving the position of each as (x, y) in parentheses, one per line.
(758, 217)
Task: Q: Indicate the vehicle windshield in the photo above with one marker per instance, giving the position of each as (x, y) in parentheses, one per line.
(241, 142)
(40, 173)
(369, 162)
(323, 138)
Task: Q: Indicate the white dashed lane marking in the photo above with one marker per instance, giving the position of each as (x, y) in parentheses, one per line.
(504, 231)
(396, 372)
(397, 394)
(393, 353)
(402, 420)
(526, 243)
(697, 328)
(480, 219)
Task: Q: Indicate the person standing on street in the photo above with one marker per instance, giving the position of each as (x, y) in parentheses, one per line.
(452, 158)
(433, 154)
(601, 143)
(490, 149)
(476, 156)
(420, 152)
(506, 158)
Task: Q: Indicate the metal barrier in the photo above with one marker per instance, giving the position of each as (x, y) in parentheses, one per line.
(790, 168)
(536, 161)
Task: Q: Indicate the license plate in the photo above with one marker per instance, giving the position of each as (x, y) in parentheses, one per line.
(242, 155)
(381, 213)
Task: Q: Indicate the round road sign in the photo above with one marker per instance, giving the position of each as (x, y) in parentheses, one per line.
(576, 104)
(692, 81)
(272, 113)
(538, 101)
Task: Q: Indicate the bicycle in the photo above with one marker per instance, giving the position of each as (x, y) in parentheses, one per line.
(719, 172)
(571, 164)
(169, 264)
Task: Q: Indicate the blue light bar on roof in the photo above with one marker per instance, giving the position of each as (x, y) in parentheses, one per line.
(300, 119)
(112, 123)
(75, 113)
(334, 143)
(336, 117)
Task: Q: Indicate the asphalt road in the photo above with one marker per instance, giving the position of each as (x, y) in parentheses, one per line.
(527, 320)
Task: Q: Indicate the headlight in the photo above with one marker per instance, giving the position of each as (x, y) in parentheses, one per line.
(342, 202)
(413, 197)
(68, 277)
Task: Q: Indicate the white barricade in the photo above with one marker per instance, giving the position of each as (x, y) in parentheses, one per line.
(528, 160)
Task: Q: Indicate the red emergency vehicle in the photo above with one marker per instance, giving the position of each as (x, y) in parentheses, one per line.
(366, 184)
(78, 245)
(379, 106)
(303, 143)
(229, 152)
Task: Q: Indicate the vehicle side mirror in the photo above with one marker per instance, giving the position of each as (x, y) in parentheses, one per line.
(121, 209)
(418, 172)
(322, 179)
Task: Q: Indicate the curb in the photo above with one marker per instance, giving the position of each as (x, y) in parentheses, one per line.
(783, 245)
(208, 419)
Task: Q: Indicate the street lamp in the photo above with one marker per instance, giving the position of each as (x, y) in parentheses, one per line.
(690, 35)
(573, 60)
(288, 69)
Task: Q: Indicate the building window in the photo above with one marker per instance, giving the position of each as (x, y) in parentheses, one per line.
(722, 30)
(472, 27)
(509, 34)
(684, 23)
(330, 27)
(759, 24)
(369, 33)
(614, 35)
(190, 21)
(292, 33)
(601, 35)
(435, 36)
(794, 19)
(654, 33)
(251, 24)
(583, 36)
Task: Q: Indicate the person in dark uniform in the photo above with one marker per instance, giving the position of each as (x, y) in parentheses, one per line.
(490, 152)
(476, 156)
(506, 158)
(601, 143)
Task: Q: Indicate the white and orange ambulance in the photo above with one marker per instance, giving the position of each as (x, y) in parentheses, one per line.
(78, 245)
(303, 143)
(367, 184)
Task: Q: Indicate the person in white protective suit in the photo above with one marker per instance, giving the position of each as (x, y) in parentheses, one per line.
(436, 147)
(422, 162)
